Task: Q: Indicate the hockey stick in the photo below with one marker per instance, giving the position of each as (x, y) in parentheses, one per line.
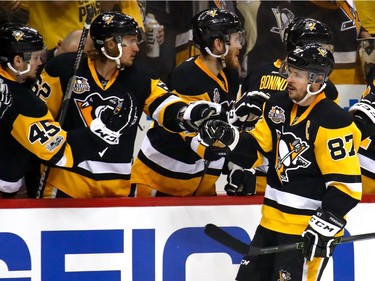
(69, 90)
(223, 237)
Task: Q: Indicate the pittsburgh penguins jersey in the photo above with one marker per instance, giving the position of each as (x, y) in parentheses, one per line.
(172, 163)
(27, 128)
(313, 161)
(108, 172)
(266, 78)
(367, 149)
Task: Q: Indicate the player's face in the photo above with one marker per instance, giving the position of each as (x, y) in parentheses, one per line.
(36, 60)
(231, 58)
(129, 49)
(297, 83)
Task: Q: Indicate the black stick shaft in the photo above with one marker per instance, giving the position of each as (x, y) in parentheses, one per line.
(235, 244)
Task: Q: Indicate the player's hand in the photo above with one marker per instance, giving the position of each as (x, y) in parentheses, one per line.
(6, 99)
(241, 182)
(365, 108)
(192, 116)
(318, 237)
(114, 119)
(248, 109)
(218, 133)
(210, 153)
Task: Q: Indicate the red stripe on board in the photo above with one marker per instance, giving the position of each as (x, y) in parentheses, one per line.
(139, 202)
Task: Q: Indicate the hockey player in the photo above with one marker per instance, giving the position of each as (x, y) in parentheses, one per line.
(314, 179)
(266, 79)
(27, 128)
(109, 74)
(175, 164)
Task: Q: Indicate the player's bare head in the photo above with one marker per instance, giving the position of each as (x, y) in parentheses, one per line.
(216, 24)
(113, 28)
(302, 31)
(21, 48)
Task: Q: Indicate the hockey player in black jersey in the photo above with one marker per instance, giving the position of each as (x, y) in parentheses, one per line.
(110, 74)
(313, 179)
(27, 127)
(176, 164)
(266, 79)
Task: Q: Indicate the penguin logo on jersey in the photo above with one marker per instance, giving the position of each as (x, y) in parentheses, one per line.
(289, 154)
(90, 108)
(284, 275)
(277, 114)
(81, 85)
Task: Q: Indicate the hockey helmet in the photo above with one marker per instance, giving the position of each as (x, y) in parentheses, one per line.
(112, 25)
(302, 31)
(18, 39)
(214, 23)
(367, 54)
(314, 59)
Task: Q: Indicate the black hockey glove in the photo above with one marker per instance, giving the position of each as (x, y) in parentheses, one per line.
(241, 182)
(6, 98)
(210, 153)
(192, 116)
(319, 236)
(219, 133)
(114, 119)
(248, 109)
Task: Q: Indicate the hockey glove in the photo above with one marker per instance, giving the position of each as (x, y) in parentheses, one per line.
(114, 119)
(192, 116)
(210, 153)
(6, 99)
(365, 108)
(248, 109)
(320, 234)
(219, 133)
(241, 182)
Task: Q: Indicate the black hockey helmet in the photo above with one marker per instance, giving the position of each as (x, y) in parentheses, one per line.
(302, 31)
(313, 58)
(214, 23)
(112, 24)
(19, 39)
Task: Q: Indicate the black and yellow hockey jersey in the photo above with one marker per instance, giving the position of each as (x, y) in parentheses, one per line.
(313, 161)
(28, 128)
(266, 78)
(107, 174)
(169, 163)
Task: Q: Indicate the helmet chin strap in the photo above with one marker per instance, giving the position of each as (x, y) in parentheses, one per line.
(309, 93)
(116, 59)
(221, 57)
(19, 73)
